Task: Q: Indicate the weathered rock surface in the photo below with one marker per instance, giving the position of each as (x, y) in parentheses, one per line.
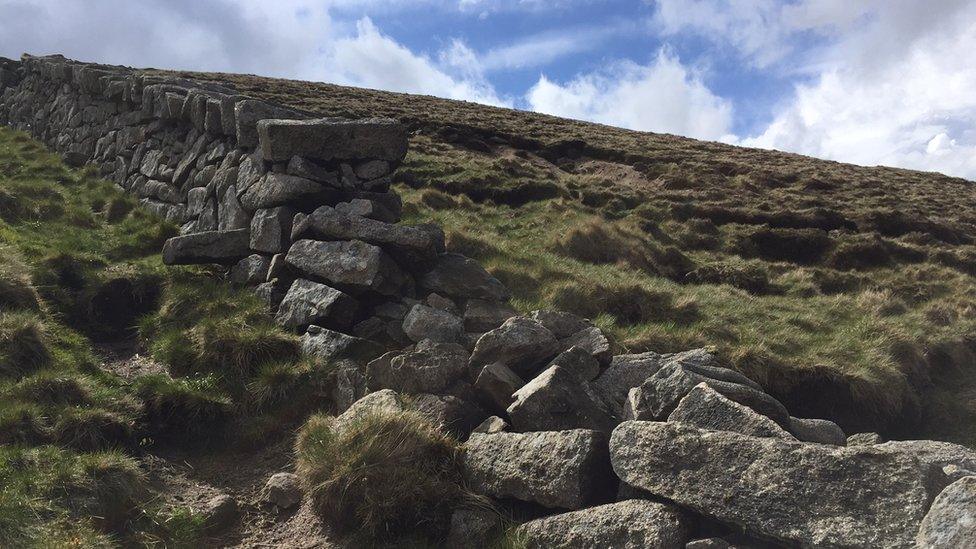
(631, 524)
(472, 528)
(251, 271)
(430, 369)
(457, 276)
(331, 138)
(951, 521)
(820, 431)
(560, 323)
(624, 373)
(225, 247)
(271, 229)
(423, 322)
(660, 394)
(520, 343)
(278, 189)
(577, 361)
(496, 384)
(808, 494)
(557, 469)
(220, 513)
(282, 490)
(411, 243)
(309, 302)
(330, 345)
(705, 408)
(481, 316)
(864, 439)
(555, 400)
(384, 401)
(353, 264)
(592, 341)
(493, 424)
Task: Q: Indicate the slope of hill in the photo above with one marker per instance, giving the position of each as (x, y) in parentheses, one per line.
(846, 290)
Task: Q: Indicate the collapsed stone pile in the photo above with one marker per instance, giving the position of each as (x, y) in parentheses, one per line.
(640, 450)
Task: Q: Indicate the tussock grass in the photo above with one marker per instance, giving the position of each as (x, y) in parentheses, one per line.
(184, 409)
(24, 347)
(380, 476)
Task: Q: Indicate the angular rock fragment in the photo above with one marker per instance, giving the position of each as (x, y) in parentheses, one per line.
(251, 271)
(520, 343)
(454, 275)
(557, 469)
(471, 528)
(624, 373)
(578, 362)
(592, 341)
(555, 400)
(496, 384)
(271, 229)
(450, 414)
(705, 408)
(353, 264)
(631, 524)
(660, 394)
(282, 490)
(330, 138)
(309, 302)
(277, 189)
(864, 439)
(820, 431)
(493, 424)
(225, 247)
(482, 316)
(247, 114)
(423, 322)
(560, 323)
(410, 243)
(330, 345)
(231, 215)
(951, 521)
(804, 494)
(430, 369)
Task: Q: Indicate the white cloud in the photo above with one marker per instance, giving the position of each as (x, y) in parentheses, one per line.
(287, 38)
(663, 96)
(371, 59)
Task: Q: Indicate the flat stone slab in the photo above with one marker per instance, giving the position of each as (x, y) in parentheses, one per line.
(224, 247)
(354, 264)
(327, 139)
(634, 523)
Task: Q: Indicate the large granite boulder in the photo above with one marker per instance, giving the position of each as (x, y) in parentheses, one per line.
(706, 408)
(805, 494)
(592, 341)
(224, 247)
(333, 139)
(555, 400)
(481, 315)
(557, 469)
(579, 362)
(409, 243)
(355, 265)
(520, 343)
(496, 385)
(951, 521)
(631, 524)
(455, 275)
(309, 302)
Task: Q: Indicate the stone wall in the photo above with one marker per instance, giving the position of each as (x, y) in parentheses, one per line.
(296, 206)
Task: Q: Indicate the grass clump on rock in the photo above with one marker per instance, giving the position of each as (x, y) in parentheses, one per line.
(381, 475)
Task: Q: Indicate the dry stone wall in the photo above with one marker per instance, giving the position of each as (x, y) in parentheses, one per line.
(636, 450)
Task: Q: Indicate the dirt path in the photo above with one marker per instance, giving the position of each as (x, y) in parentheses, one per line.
(190, 478)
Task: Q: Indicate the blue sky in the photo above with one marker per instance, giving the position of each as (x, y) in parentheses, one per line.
(871, 81)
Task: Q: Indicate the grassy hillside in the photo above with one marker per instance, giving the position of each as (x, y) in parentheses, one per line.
(82, 288)
(846, 290)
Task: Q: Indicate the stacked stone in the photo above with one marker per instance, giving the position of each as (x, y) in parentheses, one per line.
(642, 450)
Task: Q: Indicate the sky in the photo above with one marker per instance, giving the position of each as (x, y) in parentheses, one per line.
(873, 82)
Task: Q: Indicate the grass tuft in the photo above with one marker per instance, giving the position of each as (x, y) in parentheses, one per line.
(23, 345)
(381, 476)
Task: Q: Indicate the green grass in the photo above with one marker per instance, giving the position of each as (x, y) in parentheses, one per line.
(380, 477)
(829, 342)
